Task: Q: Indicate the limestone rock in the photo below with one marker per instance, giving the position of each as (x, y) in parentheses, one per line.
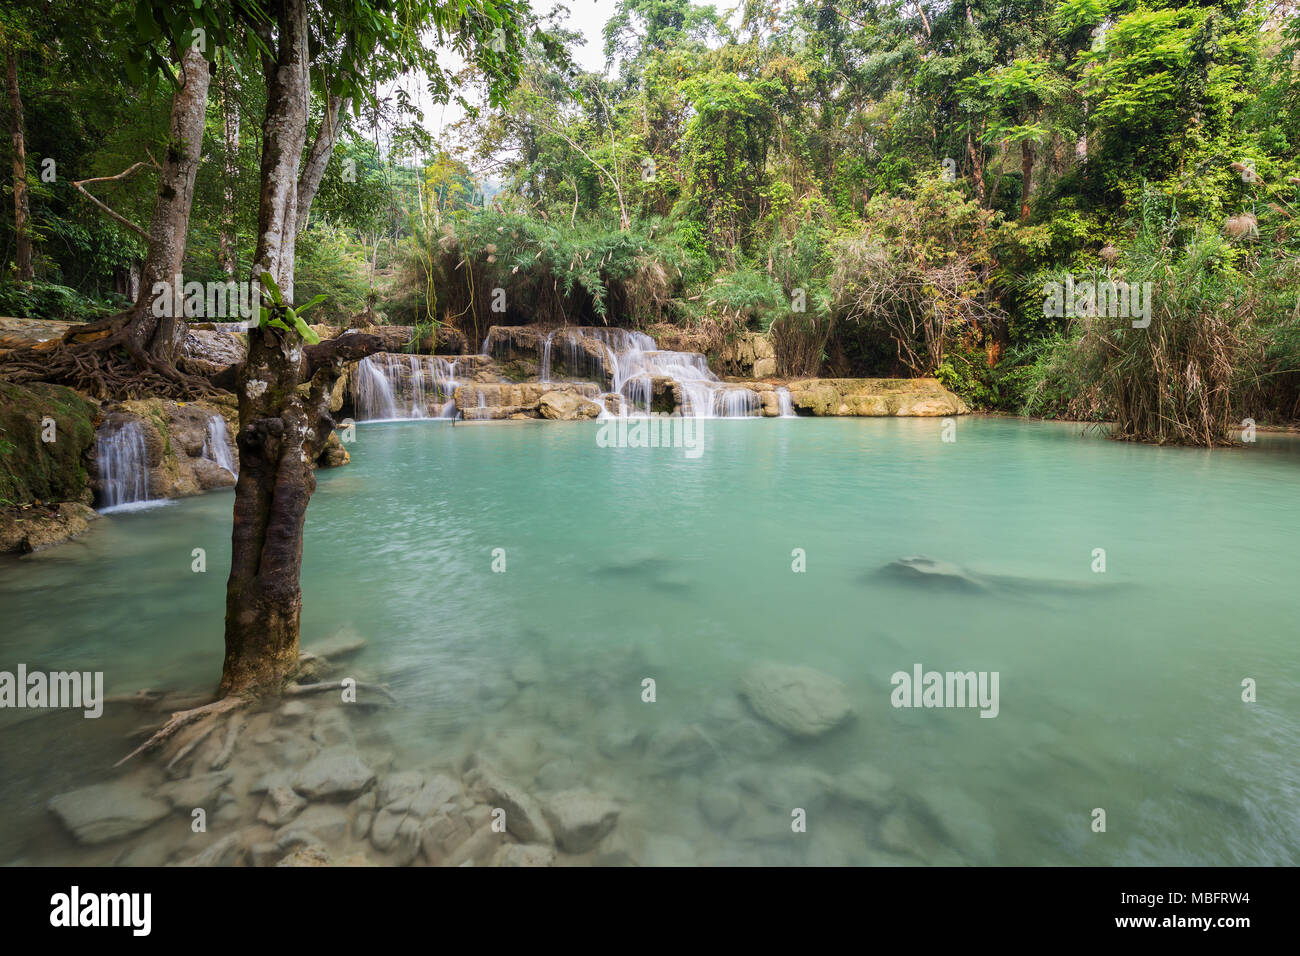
(280, 806)
(524, 854)
(580, 818)
(524, 818)
(801, 701)
(566, 406)
(107, 811)
(874, 397)
(336, 773)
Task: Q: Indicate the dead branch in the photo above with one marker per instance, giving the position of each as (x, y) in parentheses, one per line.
(80, 185)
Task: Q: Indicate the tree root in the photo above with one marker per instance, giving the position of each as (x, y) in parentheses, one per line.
(300, 690)
(98, 358)
(209, 714)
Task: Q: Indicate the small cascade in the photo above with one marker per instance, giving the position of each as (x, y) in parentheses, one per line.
(121, 459)
(216, 446)
(372, 391)
(445, 384)
(544, 367)
(786, 403)
(391, 386)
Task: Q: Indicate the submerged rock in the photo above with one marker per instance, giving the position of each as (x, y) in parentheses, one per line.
(524, 818)
(107, 811)
(524, 854)
(280, 806)
(337, 773)
(867, 786)
(580, 819)
(801, 701)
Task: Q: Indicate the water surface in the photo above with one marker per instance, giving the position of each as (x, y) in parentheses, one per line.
(1118, 690)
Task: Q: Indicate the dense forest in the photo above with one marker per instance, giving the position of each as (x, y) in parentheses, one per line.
(887, 189)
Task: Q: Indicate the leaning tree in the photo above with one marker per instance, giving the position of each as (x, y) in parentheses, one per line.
(285, 384)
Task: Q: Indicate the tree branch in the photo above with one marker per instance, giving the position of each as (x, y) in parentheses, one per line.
(79, 186)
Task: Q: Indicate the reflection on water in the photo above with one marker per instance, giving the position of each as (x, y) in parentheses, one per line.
(1118, 690)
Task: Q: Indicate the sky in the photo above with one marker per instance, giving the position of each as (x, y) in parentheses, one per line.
(587, 17)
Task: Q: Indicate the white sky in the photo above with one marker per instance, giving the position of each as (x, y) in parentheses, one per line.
(587, 17)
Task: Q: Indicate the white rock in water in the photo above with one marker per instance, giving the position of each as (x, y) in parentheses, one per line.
(801, 701)
(524, 854)
(580, 818)
(281, 806)
(524, 819)
(334, 773)
(106, 811)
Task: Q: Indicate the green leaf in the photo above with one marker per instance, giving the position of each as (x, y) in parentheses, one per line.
(304, 329)
(273, 290)
(310, 305)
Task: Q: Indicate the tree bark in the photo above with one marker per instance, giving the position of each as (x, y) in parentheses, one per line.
(152, 339)
(1027, 175)
(322, 148)
(228, 253)
(284, 390)
(22, 213)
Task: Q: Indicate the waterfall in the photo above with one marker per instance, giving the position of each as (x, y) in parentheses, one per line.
(216, 447)
(123, 465)
(787, 403)
(445, 384)
(544, 369)
(372, 392)
(401, 386)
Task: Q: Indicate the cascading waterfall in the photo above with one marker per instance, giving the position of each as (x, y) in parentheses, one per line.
(389, 386)
(786, 403)
(372, 390)
(544, 367)
(216, 446)
(123, 465)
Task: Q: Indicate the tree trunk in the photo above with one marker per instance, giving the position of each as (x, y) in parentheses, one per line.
(149, 338)
(284, 391)
(977, 171)
(228, 253)
(1027, 175)
(22, 214)
(322, 148)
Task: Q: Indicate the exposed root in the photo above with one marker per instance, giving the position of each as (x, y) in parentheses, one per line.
(300, 690)
(99, 358)
(209, 713)
(236, 724)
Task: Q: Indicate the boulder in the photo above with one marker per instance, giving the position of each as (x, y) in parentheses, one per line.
(580, 819)
(215, 348)
(524, 817)
(875, 397)
(801, 701)
(867, 786)
(199, 790)
(280, 806)
(524, 854)
(567, 406)
(336, 773)
(107, 811)
(28, 528)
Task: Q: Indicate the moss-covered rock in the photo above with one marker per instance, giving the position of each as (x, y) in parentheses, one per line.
(45, 434)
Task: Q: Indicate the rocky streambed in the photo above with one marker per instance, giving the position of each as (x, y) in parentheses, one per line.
(538, 776)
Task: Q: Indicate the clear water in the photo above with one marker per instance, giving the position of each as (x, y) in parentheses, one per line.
(1119, 691)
